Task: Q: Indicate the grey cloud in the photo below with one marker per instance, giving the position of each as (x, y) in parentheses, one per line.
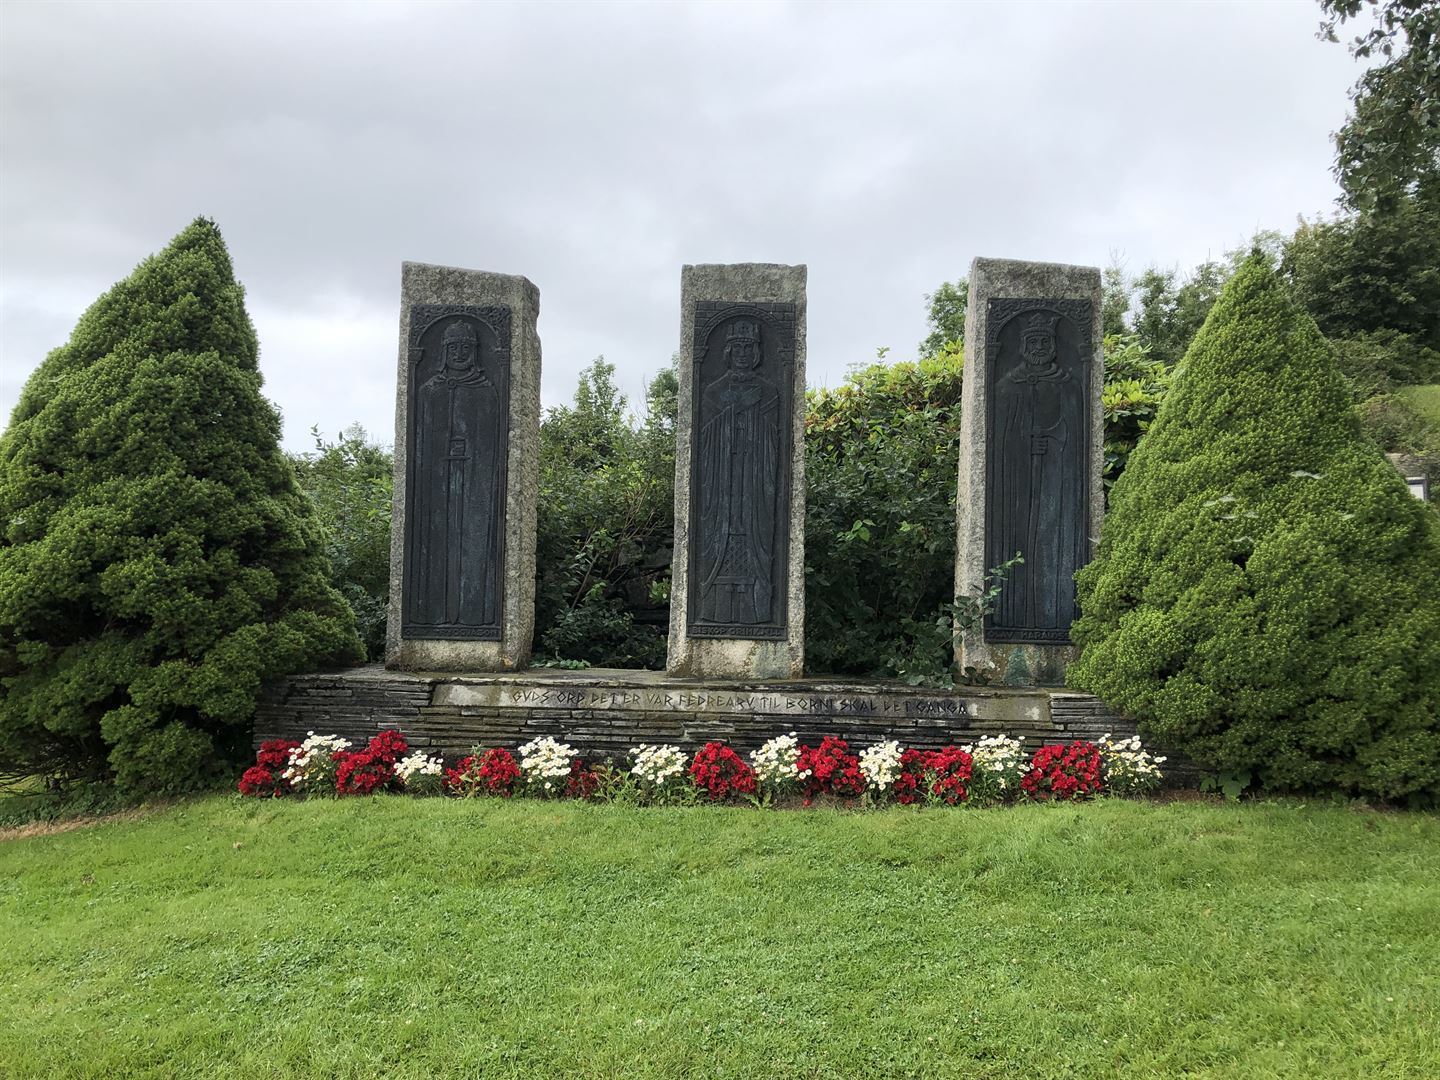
(595, 148)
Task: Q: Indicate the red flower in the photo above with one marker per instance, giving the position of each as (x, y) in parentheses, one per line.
(832, 768)
(275, 754)
(389, 746)
(720, 772)
(495, 772)
(582, 782)
(372, 769)
(1064, 772)
(259, 782)
(943, 773)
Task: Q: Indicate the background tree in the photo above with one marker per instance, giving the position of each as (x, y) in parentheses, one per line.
(349, 482)
(881, 454)
(1390, 145)
(606, 525)
(945, 317)
(159, 562)
(1265, 595)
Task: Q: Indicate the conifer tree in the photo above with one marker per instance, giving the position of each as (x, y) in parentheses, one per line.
(1267, 592)
(157, 561)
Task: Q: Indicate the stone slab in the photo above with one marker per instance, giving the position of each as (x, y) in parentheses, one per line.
(765, 638)
(503, 641)
(606, 712)
(1029, 647)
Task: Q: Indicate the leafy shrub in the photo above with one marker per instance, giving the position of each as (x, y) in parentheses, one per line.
(159, 562)
(881, 454)
(1135, 385)
(349, 482)
(606, 525)
(1265, 595)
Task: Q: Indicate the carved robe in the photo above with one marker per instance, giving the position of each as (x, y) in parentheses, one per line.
(738, 499)
(456, 573)
(1039, 441)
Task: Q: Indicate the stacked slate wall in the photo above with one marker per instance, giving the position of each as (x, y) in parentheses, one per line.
(604, 713)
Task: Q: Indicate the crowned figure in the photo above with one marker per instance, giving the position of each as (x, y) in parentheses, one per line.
(738, 484)
(455, 510)
(1039, 447)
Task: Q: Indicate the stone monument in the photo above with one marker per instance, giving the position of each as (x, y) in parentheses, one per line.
(737, 599)
(467, 471)
(1031, 454)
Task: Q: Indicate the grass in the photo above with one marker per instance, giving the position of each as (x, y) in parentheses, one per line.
(1424, 398)
(388, 937)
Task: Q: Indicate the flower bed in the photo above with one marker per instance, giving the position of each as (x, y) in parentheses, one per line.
(993, 770)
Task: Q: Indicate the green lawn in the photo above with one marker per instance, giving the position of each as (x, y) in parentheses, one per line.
(390, 937)
(1425, 398)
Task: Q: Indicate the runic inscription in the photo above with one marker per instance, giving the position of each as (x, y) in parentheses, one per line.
(1037, 498)
(740, 469)
(459, 401)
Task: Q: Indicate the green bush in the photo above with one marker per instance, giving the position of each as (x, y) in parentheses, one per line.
(349, 482)
(606, 525)
(1266, 594)
(159, 561)
(1135, 385)
(881, 454)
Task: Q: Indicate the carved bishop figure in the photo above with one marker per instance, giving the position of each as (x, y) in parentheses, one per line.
(457, 418)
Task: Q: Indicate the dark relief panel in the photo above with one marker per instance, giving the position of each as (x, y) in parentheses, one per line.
(741, 400)
(1037, 491)
(457, 443)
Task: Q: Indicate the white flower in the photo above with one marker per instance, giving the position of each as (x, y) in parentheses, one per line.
(998, 760)
(1129, 769)
(880, 765)
(545, 759)
(657, 764)
(310, 760)
(775, 761)
(417, 764)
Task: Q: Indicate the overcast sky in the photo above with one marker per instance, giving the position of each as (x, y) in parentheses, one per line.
(595, 148)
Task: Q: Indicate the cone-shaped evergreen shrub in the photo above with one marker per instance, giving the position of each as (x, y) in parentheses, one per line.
(1267, 592)
(158, 560)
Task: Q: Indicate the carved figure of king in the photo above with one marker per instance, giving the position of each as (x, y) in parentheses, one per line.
(455, 502)
(1041, 482)
(739, 485)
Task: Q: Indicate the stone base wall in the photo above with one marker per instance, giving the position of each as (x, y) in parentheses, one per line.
(604, 713)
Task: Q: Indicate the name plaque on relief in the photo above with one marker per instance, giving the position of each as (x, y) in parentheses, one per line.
(458, 438)
(741, 401)
(1037, 498)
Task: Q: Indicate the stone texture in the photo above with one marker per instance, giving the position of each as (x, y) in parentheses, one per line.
(602, 712)
(1015, 664)
(756, 283)
(422, 283)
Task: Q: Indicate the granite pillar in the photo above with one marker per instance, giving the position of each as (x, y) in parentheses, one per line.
(467, 472)
(737, 599)
(1031, 454)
